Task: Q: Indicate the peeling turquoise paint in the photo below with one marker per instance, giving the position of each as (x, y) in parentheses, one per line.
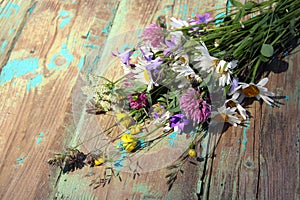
(287, 98)
(39, 139)
(91, 46)
(34, 82)
(107, 27)
(11, 31)
(17, 68)
(184, 11)
(220, 18)
(9, 9)
(65, 53)
(119, 163)
(3, 46)
(32, 9)
(172, 138)
(245, 140)
(20, 159)
(81, 62)
(66, 18)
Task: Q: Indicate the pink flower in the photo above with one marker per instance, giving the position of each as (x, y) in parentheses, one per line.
(138, 101)
(194, 106)
(154, 34)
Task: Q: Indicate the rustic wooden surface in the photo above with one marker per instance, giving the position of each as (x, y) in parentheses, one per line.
(43, 47)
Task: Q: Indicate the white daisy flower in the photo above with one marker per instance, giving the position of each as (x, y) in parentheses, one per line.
(182, 67)
(233, 103)
(203, 60)
(178, 23)
(225, 115)
(254, 90)
(143, 75)
(224, 69)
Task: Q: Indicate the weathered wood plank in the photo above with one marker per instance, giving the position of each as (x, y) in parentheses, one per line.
(36, 85)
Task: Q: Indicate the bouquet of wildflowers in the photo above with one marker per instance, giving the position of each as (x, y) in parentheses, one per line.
(187, 78)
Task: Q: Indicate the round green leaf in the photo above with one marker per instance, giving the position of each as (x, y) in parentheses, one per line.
(267, 50)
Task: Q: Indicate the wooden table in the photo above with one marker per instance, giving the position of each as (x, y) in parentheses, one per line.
(44, 46)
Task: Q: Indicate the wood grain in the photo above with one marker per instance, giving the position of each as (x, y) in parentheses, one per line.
(47, 48)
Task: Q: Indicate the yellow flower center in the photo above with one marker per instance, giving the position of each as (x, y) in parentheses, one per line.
(192, 153)
(230, 104)
(146, 76)
(250, 91)
(221, 118)
(99, 161)
(216, 62)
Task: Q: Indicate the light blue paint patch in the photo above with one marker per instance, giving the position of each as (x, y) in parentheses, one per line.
(9, 9)
(172, 138)
(20, 160)
(163, 12)
(138, 32)
(66, 18)
(228, 6)
(184, 11)
(125, 47)
(33, 83)
(220, 18)
(287, 98)
(11, 31)
(107, 5)
(119, 163)
(39, 139)
(3, 46)
(245, 140)
(193, 14)
(107, 28)
(32, 9)
(17, 68)
(81, 62)
(91, 46)
(65, 53)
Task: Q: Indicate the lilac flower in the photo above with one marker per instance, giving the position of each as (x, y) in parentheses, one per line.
(175, 42)
(125, 56)
(138, 101)
(201, 19)
(154, 66)
(234, 84)
(178, 122)
(147, 54)
(194, 106)
(154, 34)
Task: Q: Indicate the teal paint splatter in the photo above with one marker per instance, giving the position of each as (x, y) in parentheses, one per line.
(65, 53)
(17, 68)
(245, 140)
(287, 98)
(3, 46)
(66, 18)
(119, 163)
(91, 46)
(32, 9)
(9, 9)
(107, 28)
(20, 159)
(184, 11)
(11, 31)
(220, 18)
(39, 139)
(81, 62)
(172, 138)
(36, 81)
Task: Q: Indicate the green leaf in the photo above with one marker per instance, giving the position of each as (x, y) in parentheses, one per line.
(236, 3)
(267, 50)
(249, 5)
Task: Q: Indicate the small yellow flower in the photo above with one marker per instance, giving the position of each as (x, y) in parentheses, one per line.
(129, 147)
(99, 161)
(135, 129)
(127, 138)
(192, 153)
(124, 119)
(129, 142)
